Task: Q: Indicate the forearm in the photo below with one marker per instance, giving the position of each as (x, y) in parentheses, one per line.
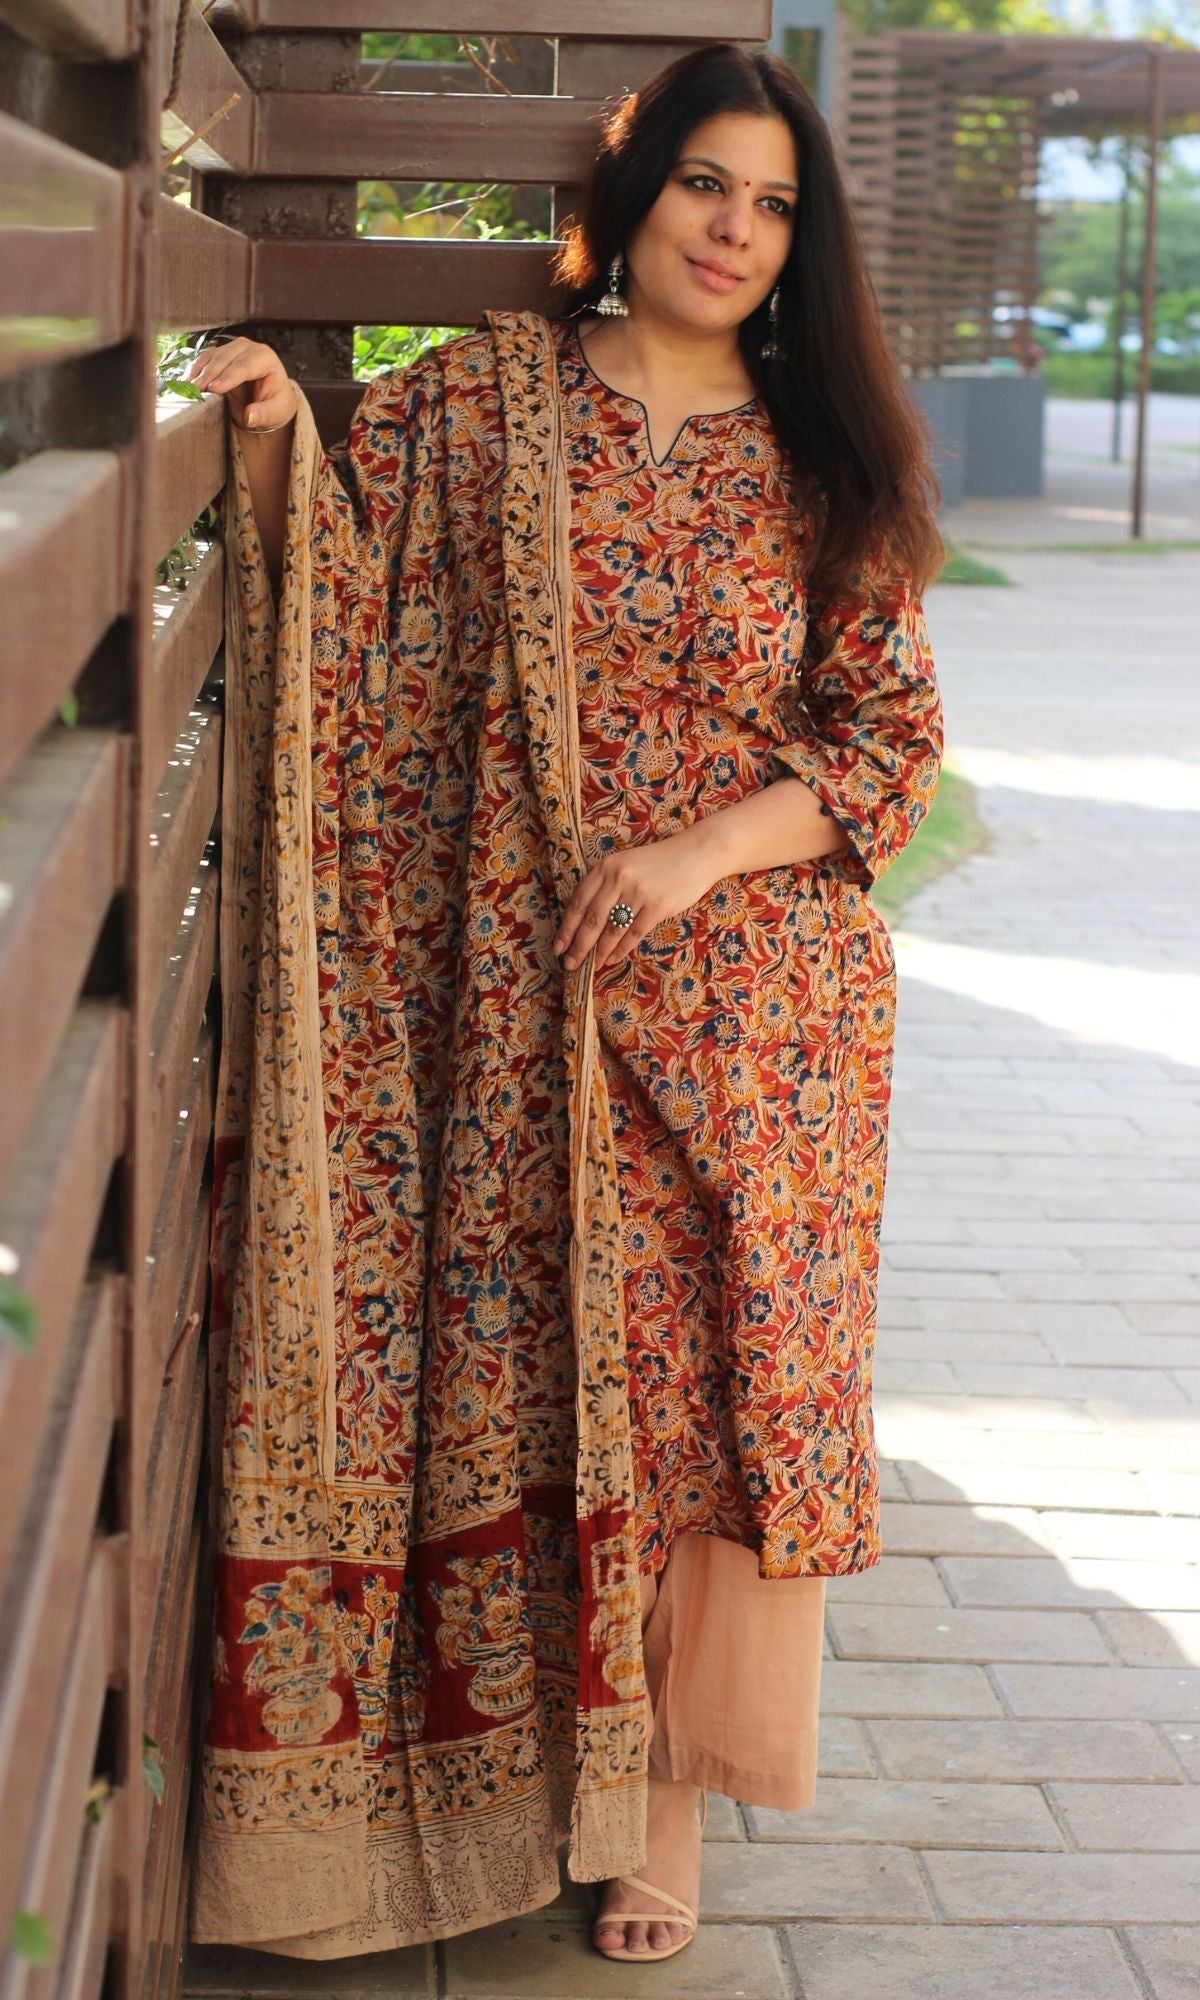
(268, 461)
(780, 824)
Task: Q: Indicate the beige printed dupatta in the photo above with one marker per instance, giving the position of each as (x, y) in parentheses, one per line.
(427, 1649)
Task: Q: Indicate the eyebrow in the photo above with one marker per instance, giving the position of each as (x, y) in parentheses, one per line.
(700, 161)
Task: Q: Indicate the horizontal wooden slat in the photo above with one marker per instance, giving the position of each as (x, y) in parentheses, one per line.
(176, 1717)
(182, 1405)
(211, 99)
(48, 1220)
(177, 1024)
(182, 815)
(202, 274)
(372, 135)
(49, 1577)
(55, 1852)
(63, 855)
(620, 20)
(62, 250)
(87, 30)
(415, 282)
(61, 570)
(81, 1975)
(189, 466)
(187, 635)
(185, 1194)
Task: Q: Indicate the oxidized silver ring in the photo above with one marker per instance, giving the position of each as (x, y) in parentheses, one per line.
(621, 915)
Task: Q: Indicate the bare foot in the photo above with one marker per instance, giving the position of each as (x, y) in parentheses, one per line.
(673, 1854)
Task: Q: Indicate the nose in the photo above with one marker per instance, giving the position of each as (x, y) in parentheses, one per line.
(735, 219)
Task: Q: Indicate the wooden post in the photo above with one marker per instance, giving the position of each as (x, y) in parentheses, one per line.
(1118, 386)
(1157, 83)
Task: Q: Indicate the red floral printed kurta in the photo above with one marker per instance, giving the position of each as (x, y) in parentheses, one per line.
(517, 1274)
(747, 1042)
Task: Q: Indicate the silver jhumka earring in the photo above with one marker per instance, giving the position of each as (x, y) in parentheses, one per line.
(613, 305)
(770, 346)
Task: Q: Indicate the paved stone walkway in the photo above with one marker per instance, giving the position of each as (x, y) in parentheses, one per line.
(1010, 1800)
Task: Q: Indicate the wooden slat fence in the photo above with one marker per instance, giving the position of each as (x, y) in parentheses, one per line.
(110, 757)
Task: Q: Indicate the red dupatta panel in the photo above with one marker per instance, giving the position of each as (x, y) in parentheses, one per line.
(428, 1665)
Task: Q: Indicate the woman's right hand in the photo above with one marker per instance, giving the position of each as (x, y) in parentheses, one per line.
(253, 378)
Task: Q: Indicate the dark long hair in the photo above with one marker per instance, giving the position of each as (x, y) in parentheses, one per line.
(836, 395)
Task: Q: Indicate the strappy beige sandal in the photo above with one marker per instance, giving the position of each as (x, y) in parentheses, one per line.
(650, 1916)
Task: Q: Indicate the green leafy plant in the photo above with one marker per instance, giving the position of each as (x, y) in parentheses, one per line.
(152, 1770)
(18, 1317)
(31, 1938)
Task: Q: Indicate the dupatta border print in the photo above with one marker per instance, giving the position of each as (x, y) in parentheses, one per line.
(427, 1661)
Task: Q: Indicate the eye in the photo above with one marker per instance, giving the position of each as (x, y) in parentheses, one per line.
(781, 207)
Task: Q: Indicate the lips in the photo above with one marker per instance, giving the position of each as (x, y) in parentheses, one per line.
(721, 270)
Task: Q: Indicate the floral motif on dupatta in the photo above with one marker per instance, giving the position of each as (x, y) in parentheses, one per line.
(427, 1656)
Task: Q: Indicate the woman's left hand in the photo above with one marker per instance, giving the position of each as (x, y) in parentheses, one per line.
(657, 881)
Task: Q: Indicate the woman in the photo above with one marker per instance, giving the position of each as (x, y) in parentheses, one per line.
(557, 1053)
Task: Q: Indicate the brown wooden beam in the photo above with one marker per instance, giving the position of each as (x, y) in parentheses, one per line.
(203, 270)
(620, 21)
(424, 136)
(84, 30)
(63, 854)
(189, 469)
(61, 582)
(63, 251)
(411, 281)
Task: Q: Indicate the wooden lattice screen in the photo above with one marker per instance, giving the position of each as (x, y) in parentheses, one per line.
(943, 179)
(110, 750)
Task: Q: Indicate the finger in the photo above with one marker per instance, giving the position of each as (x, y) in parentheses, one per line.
(211, 358)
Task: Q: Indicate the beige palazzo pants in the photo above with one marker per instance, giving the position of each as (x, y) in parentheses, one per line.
(733, 1669)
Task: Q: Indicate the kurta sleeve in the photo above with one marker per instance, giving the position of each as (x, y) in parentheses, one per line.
(870, 720)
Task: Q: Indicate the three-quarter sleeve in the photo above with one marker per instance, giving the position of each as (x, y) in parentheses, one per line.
(870, 727)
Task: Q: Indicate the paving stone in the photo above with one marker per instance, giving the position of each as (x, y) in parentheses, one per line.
(1184, 1745)
(1091, 1449)
(1151, 1817)
(898, 1632)
(842, 1748)
(926, 1527)
(926, 1256)
(893, 1580)
(989, 1378)
(558, 1962)
(1004, 1413)
(1045, 1486)
(1140, 1694)
(1169, 1956)
(1168, 1639)
(212, 1969)
(907, 1687)
(927, 1343)
(919, 1813)
(1053, 1581)
(1020, 1749)
(894, 1372)
(1137, 1538)
(959, 1962)
(770, 1882)
(1118, 1888)
(1171, 1287)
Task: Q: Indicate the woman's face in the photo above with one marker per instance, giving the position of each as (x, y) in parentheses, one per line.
(727, 207)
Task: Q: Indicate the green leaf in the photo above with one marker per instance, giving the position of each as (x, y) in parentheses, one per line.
(31, 1937)
(18, 1317)
(68, 709)
(152, 1770)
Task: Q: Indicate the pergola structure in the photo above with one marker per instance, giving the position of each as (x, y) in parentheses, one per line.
(940, 134)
